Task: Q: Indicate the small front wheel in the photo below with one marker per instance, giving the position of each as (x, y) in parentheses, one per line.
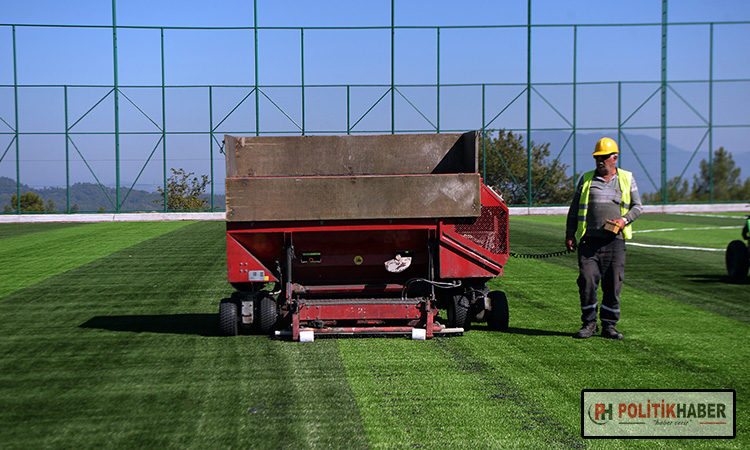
(458, 312)
(228, 318)
(267, 313)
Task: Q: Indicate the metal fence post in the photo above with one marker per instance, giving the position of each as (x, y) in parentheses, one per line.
(575, 100)
(302, 73)
(211, 139)
(17, 134)
(528, 103)
(619, 120)
(117, 106)
(257, 94)
(438, 82)
(393, 66)
(711, 117)
(664, 101)
(164, 121)
(67, 153)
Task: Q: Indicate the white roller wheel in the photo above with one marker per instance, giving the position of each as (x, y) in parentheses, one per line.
(307, 336)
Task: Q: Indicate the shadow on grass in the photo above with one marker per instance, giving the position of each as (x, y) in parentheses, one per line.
(525, 331)
(197, 324)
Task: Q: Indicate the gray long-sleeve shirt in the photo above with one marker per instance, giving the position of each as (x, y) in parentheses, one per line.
(604, 203)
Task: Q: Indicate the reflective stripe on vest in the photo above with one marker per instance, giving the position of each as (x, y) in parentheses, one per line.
(623, 177)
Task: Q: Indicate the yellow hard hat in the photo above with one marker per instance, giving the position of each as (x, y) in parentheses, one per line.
(605, 146)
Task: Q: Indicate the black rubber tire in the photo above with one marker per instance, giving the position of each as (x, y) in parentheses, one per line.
(266, 314)
(499, 316)
(737, 260)
(458, 312)
(228, 318)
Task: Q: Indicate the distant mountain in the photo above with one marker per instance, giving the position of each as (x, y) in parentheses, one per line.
(90, 197)
(645, 153)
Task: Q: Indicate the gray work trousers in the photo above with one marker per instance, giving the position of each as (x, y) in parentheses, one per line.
(601, 260)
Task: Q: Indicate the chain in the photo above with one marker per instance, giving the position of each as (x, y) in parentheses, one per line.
(540, 255)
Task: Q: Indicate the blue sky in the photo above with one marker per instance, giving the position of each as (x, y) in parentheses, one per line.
(295, 13)
(468, 56)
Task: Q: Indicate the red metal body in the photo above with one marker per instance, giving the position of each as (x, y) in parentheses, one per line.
(360, 234)
(331, 274)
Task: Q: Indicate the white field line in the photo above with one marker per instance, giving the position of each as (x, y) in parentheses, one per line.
(677, 247)
(714, 216)
(687, 229)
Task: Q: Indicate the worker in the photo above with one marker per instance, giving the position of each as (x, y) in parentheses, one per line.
(605, 204)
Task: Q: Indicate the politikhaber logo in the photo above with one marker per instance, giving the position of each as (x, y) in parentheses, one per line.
(678, 413)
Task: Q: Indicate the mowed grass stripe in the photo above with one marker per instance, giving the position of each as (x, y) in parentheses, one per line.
(8, 230)
(33, 256)
(521, 388)
(436, 394)
(123, 352)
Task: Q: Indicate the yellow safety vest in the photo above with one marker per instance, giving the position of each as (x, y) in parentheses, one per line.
(624, 177)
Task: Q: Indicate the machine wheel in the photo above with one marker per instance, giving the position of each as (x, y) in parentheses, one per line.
(266, 314)
(458, 312)
(737, 259)
(228, 318)
(499, 316)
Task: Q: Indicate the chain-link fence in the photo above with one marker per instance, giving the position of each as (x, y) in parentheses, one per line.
(105, 112)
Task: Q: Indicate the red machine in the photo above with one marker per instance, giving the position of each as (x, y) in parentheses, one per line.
(361, 234)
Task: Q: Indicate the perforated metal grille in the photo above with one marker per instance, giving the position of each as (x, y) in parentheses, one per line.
(489, 230)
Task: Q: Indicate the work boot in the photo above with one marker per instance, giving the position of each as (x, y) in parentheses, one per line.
(586, 331)
(611, 333)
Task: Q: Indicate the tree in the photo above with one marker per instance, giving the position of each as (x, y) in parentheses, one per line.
(727, 184)
(184, 191)
(506, 169)
(678, 190)
(30, 202)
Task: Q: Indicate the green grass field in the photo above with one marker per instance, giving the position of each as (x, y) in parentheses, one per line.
(109, 339)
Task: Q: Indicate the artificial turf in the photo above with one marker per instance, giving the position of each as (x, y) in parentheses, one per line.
(120, 349)
(696, 277)
(123, 352)
(32, 253)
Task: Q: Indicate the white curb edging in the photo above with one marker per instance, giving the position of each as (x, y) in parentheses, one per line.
(664, 209)
(743, 208)
(109, 217)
